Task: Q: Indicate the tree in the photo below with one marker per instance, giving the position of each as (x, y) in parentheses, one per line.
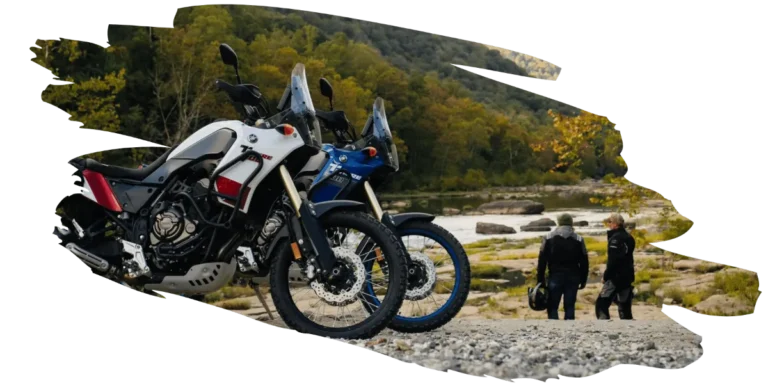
(188, 64)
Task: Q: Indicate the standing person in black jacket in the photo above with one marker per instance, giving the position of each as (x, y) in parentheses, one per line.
(564, 253)
(619, 272)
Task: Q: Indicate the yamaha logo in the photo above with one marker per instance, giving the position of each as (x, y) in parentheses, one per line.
(252, 138)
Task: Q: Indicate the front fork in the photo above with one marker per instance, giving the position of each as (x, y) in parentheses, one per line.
(384, 217)
(315, 245)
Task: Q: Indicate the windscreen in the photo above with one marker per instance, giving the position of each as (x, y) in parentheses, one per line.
(301, 101)
(383, 135)
(302, 107)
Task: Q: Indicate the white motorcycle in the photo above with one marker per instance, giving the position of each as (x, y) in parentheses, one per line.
(176, 225)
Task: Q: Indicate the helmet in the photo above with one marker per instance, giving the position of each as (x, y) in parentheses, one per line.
(537, 297)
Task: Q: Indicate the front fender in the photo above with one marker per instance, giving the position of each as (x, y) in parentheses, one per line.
(402, 218)
(325, 207)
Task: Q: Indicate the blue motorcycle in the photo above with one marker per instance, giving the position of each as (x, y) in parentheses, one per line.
(350, 169)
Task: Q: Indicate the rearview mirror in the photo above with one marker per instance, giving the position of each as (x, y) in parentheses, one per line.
(326, 90)
(229, 57)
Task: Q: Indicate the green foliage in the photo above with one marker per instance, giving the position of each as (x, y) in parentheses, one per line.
(454, 130)
(91, 102)
(690, 299)
(743, 285)
(642, 276)
(483, 285)
(674, 293)
(487, 271)
(236, 304)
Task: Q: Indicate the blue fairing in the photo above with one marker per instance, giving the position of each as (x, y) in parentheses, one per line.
(357, 163)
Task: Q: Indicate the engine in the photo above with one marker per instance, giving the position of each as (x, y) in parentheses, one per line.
(171, 226)
(175, 233)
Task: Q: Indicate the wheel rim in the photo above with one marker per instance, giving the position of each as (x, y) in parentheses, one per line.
(340, 315)
(456, 270)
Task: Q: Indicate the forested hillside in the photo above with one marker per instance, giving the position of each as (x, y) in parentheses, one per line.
(455, 130)
(534, 67)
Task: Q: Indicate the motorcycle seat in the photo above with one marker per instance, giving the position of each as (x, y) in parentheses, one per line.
(107, 170)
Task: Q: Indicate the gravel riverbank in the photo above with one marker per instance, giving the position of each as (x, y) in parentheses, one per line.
(540, 349)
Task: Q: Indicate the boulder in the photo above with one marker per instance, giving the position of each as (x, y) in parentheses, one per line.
(400, 204)
(493, 229)
(722, 304)
(473, 213)
(545, 222)
(582, 223)
(511, 207)
(532, 228)
(450, 211)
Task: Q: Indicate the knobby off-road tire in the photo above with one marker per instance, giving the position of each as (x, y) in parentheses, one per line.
(393, 253)
(460, 290)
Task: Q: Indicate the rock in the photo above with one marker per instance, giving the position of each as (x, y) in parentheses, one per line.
(473, 213)
(402, 345)
(493, 229)
(683, 265)
(400, 204)
(545, 222)
(531, 228)
(371, 343)
(630, 225)
(510, 207)
(467, 208)
(582, 223)
(451, 211)
(722, 304)
(392, 211)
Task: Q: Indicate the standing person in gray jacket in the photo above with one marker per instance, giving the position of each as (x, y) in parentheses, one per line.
(564, 254)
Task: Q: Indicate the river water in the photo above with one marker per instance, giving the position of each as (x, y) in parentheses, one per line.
(463, 226)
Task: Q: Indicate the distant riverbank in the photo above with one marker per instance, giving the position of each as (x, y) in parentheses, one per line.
(553, 197)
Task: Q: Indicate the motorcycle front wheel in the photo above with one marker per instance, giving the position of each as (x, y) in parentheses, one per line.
(343, 308)
(438, 278)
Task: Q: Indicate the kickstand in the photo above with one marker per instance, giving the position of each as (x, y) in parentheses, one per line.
(255, 287)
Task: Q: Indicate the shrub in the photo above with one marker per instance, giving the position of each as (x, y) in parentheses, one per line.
(236, 304)
(601, 247)
(651, 263)
(234, 291)
(642, 276)
(674, 293)
(743, 285)
(691, 298)
(487, 271)
(517, 291)
(485, 243)
(708, 267)
(483, 285)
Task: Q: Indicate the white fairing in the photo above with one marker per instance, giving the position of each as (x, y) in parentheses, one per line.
(270, 143)
(273, 145)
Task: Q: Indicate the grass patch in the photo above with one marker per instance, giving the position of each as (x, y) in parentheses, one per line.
(651, 263)
(708, 267)
(236, 304)
(741, 285)
(509, 257)
(476, 302)
(719, 312)
(517, 291)
(443, 288)
(485, 243)
(599, 247)
(660, 274)
(229, 292)
(487, 271)
(657, 283)
(643, 276)
(674, 293)
(677, 256)
(597, 260)
(483, 285)
(494, 306)
(690, 299)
